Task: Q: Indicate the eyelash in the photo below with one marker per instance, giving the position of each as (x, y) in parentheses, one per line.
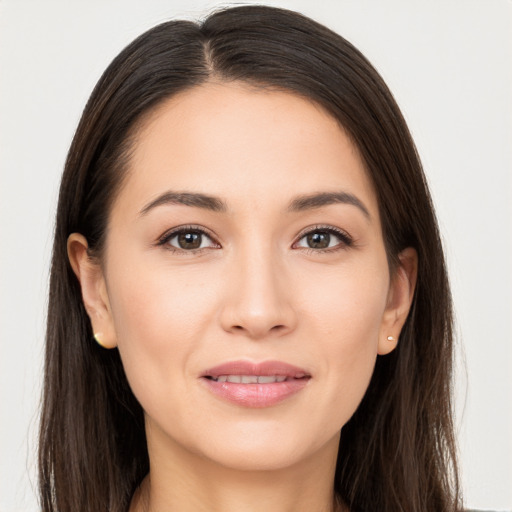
(346, 241)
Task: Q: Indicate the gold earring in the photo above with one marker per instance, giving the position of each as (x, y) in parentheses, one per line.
(391, 338)
(97, 338)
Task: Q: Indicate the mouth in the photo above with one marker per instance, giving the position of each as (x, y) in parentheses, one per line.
(255, 384)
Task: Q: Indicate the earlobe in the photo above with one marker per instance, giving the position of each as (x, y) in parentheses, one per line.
(400, 296)
(94, 291)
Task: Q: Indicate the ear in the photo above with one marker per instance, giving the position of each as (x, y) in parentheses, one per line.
(401, 293)
(94, 290)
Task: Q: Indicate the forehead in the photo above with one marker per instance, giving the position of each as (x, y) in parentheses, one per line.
(247, 145)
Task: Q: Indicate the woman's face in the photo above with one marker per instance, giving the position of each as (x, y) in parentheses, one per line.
(245, 280)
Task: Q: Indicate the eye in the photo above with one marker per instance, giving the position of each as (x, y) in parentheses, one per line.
(321, 238)
(187, 239)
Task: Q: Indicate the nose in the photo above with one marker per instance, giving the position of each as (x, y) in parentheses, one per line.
(258, 302)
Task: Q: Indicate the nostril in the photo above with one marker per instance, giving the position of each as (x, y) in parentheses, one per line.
(274, 329)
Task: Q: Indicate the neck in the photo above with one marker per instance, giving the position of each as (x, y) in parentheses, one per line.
(186, 482)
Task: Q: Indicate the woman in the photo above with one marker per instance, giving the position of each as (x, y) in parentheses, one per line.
(245, 231)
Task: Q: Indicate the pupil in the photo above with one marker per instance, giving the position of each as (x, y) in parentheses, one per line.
(319, 240)
(189, 240)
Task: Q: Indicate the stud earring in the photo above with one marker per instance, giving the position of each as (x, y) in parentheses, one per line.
(391, 338)
(97, 338)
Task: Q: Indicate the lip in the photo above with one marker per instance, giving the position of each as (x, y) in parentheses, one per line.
(257, 395)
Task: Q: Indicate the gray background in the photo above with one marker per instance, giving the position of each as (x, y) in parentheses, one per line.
(449, 64)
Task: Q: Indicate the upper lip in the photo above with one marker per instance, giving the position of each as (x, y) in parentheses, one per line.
(264, 368)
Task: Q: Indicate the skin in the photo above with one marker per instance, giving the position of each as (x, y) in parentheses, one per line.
(255, 291)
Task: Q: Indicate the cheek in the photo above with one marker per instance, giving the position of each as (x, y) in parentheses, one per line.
(156, 303)
(159, 319)
(345, 317)
(346, 303)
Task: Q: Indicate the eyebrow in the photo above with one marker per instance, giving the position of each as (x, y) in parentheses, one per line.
(317, 200)
(300, 203)
(193, 199)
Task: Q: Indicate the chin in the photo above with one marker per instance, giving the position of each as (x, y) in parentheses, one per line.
(266, 449)
(250, 458)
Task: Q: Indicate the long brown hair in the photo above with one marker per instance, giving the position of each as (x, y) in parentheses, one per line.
(397, 452)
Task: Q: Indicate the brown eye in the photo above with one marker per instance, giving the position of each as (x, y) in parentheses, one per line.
(323, 238)
(318, 240)
(188, 240)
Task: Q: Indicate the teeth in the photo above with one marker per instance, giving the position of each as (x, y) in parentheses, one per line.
(267, 379)
(251, 379)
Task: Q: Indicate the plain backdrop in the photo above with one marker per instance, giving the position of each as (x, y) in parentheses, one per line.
(449, 64)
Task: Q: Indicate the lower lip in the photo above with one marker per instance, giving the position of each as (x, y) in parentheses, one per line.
(256, 395)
